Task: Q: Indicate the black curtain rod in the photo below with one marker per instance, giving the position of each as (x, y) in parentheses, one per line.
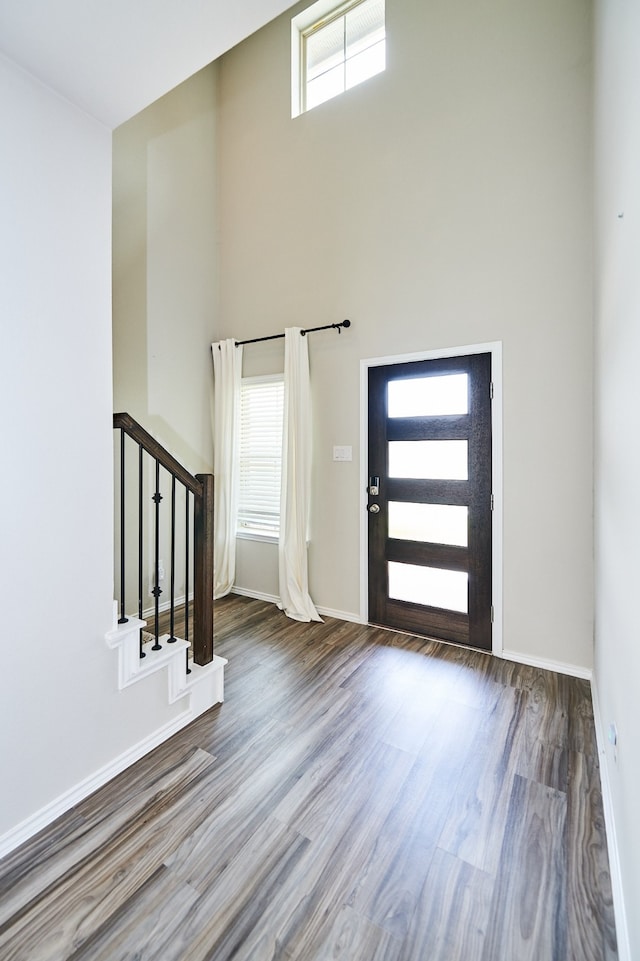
(310, 330)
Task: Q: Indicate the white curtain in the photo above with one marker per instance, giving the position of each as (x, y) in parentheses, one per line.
(296, 481)
(227, 369)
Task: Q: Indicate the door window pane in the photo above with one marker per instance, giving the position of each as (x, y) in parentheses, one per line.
(429, 459)
(428, 396)
(431, 523)
(430, 586)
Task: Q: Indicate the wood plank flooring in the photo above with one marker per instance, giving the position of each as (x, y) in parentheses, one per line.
(361, 795)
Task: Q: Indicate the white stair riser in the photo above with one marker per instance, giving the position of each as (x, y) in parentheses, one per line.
(204, 686)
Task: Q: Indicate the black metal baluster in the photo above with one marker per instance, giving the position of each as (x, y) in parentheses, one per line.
(122, 619)
(186, 583)
(157, 497)
(140, 539)
(172, 636)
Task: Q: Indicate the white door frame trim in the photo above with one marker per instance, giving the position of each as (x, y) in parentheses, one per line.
(495, 349)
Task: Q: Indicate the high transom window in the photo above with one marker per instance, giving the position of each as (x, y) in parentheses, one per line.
(337, 50)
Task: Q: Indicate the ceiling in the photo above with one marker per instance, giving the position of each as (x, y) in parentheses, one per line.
(112, 58)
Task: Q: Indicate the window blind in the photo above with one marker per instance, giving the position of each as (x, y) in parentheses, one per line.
(261, 424)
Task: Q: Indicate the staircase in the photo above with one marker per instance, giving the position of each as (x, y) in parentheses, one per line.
(149, 476)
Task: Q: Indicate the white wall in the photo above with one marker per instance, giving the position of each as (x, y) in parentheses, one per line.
(112, 59)
(442, 203)
(617, 667)
(62, 717)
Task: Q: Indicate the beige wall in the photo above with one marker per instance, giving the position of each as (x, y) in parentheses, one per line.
(165, 267)
(617, 668)
(165, 298)
(445, 202)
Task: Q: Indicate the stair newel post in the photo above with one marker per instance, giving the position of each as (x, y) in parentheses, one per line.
(157, 497)
(172, 637)
(123, 618)
(203, 573)
(140, 538)
(186, 578)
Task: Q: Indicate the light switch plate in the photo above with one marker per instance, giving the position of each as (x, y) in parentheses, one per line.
(343, 452)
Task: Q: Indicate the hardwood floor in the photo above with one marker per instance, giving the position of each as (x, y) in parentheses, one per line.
(361, 795)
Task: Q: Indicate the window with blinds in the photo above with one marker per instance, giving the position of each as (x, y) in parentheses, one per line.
(343, 47)
(260, 460)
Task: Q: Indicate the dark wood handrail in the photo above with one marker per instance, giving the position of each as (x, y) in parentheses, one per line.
(134, 430)
(201, 486)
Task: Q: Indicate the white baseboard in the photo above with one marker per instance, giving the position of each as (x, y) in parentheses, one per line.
(323, 611)
(46, 815)
(573, 670)
(340, 615)
(622, 929)
(256, 595)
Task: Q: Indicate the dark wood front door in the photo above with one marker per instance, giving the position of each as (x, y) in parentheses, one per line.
(429, 498)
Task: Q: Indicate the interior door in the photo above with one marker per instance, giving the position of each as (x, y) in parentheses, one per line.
(429, 498)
